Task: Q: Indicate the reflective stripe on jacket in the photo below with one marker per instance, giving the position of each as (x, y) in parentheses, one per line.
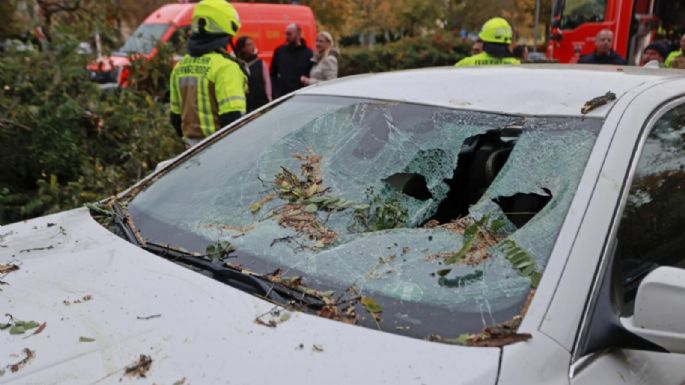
(484, 59)
(202, 88)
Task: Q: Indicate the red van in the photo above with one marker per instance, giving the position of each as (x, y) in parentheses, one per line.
(265, 23)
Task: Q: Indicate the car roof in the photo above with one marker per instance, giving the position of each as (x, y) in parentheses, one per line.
(535, 89)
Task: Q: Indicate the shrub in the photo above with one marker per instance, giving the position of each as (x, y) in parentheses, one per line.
(427, 51)
(63, 141)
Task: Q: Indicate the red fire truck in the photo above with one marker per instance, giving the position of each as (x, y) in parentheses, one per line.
(635, 24)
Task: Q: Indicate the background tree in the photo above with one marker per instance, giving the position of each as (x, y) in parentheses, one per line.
(414, 15)
(521, 13)
(8, 27)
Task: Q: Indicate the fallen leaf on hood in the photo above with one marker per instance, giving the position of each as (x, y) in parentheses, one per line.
(19, 327)
(140, 367)
(317, 348)
(28, 356)
(143, 318)
(273, 317)
(182, 381)
(37, 249)
(373, 308)
(86, 339)
(85, 298)
(6, 269)
(39, 330)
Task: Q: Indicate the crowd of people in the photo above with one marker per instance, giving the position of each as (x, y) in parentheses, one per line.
(494, 42)
(210, 87)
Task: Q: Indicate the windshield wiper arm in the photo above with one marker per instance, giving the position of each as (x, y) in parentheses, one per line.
(124, 222)
(251, 284)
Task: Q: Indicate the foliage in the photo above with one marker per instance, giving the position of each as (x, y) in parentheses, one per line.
(65, 142)
(8, 27)
(381, 213)
(426, 51)
(151, 77)
(521, 261)
(477, 232)
(219, 250)
(305, 199)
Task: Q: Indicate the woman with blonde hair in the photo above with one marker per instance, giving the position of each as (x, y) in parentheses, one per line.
(325, 61)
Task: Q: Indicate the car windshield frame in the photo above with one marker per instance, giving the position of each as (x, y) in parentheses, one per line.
(400, 311)
(576, 12)
(144, 39)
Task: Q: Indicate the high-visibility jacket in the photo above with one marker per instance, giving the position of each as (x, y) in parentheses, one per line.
(484, 59)
(671, 58)
(205, 87)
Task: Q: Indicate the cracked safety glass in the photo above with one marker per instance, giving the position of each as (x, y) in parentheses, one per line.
(446, 218)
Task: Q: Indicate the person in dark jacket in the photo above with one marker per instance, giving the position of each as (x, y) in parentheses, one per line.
(290, 62)
(259, 80)
(603, 53)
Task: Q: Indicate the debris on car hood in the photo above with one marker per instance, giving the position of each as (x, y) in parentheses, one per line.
(140, 367)
(28, 356)
(598, 102)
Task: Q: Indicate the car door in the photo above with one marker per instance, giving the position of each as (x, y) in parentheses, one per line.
(648, 231)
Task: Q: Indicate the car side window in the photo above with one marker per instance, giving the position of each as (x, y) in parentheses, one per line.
(652, 228)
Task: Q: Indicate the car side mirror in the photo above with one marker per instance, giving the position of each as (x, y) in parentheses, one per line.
(659, 315)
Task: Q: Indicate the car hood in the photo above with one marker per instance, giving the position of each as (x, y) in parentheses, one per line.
(86, 283)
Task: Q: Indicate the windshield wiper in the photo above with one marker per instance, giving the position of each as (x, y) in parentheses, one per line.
(249, 283)
(123, 220)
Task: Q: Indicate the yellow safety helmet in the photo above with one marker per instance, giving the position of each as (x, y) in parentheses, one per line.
(496, 30)
(219, 17)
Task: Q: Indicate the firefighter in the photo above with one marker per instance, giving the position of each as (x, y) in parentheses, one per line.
(208, 85)
(676, 59)
(496, 36)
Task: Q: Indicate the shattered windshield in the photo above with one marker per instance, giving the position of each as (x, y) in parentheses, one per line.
(440, 221)
(143, 40)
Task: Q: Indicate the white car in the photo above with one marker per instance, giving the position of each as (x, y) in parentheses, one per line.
(503, 225)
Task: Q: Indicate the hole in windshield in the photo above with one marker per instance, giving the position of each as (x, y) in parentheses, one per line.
(413, 185)
(521, 208)
(421, 220)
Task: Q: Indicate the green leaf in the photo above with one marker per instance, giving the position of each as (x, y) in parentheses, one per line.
(459, 255)
(528, 270)
(535, 278)
(4, 326)
(496, 225)
(86, 339)
(312, 190)
(16, 329)
(371, 305)
(30, 325)
(311, 208)
(254, 209)
(522, 264)
(463, 339)
(443, 272)
(219, 250)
